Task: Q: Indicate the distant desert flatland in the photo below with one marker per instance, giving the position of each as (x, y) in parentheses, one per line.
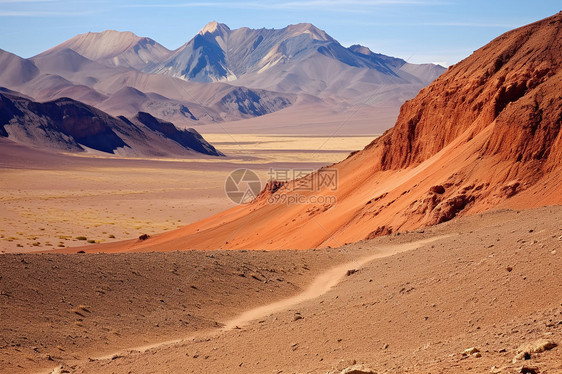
(104, 199)
(434, 247)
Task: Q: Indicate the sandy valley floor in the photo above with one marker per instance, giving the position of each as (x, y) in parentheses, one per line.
(489, 282)
(49, 201)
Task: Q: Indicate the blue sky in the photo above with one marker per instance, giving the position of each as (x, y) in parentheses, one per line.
(417, 30)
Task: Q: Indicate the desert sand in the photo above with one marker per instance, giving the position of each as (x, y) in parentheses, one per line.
(48, 200)
(412, 303)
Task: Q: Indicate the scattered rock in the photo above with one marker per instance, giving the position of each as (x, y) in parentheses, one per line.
(524, 352)
(450, 208)
(144, 237)
(81, 252)
(357, 369)
(509, 268)
(351, 271)
(438, 189)
(380, 231)
(510, 189)
(343, 364)
(472, 351)
(528, 370)
(405, 290)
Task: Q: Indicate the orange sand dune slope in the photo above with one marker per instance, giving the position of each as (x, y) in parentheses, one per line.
(485, 135)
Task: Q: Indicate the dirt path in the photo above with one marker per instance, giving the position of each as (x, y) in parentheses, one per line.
(323, 283)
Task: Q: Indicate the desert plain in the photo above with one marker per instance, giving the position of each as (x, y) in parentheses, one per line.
(49, 200)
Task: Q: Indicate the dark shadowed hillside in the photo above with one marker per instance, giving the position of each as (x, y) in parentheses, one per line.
(69, 125)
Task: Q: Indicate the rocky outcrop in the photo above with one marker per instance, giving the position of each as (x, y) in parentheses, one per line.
(512, 84)
(448, 209)
(355, 369)
(379, 231)
(249, 102)
(525, 351)
(505, 100)
(188, 138)
(63, 124)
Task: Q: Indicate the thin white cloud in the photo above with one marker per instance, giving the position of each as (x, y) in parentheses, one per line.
(187, 5)
(25, 1)
(313, 4)
(430, 23)
(340, 4)
(469, 24)
(40, 13)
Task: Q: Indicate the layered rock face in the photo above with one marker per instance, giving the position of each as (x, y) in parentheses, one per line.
(514, 81)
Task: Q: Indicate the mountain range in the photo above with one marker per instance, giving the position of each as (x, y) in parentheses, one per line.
(485, 135)
(71, 126)
(218, 53)
(220, 75)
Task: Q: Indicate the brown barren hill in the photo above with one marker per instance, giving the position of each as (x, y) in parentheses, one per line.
(484, 135)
